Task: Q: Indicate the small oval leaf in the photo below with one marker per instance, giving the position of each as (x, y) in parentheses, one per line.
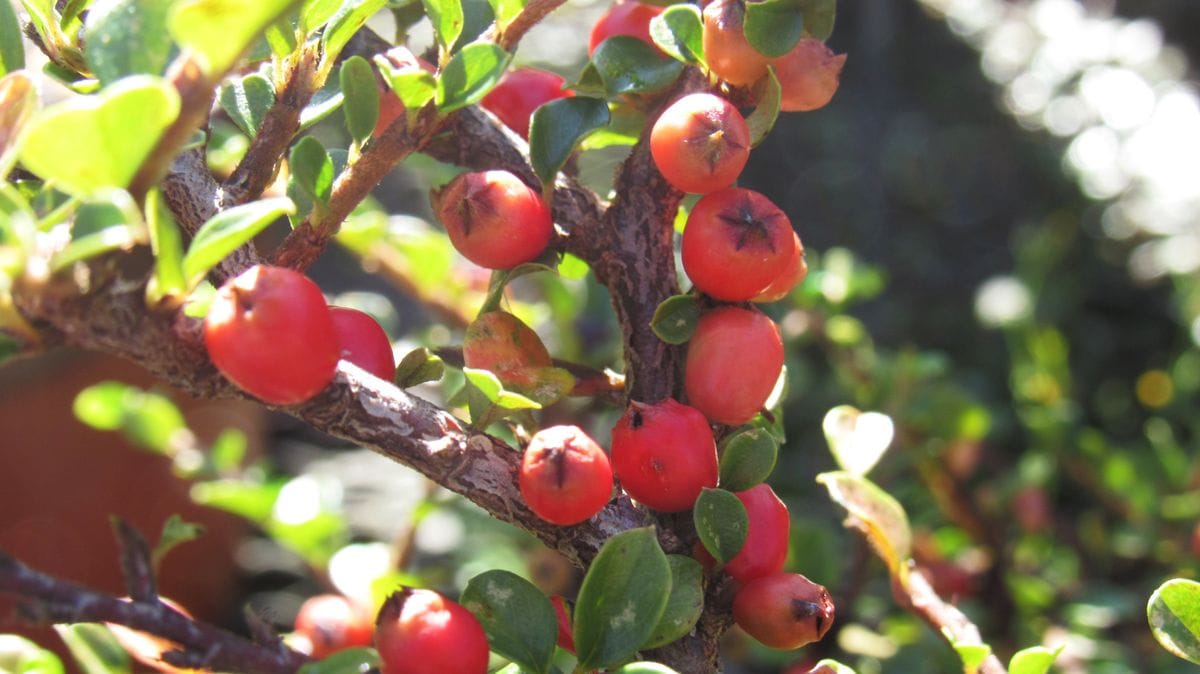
(773, 27)
(685, 604)
(857, 439)
(346, 661)
(469, 75)
(228, 230)
(246, 100)
(342, 26)
(679, 32)
(219, 31)
(747, 458)
(1174, 615)
(312, 169)
(418, 367)
(721, 523)
(675, 318)
(519, 619)
(12, 46)
(127, 37)
(557, 127)
(626, 65)
(1034, 660)
(447, 19)
(167, 244)
(360, 98)
(819, 16)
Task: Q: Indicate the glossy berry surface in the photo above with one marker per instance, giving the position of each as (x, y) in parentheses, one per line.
(766, 545)
(734, 358)
(735, 244)
(519, 93)
(423, 632)
(808, 75)
(624, 18)
(664, 454)
(783, 610)
(363, 342)
(730, 56)
(332, 622)
(269, 332)
(791, 276)
(700, 143)
(565, 476)
(494, 219)
(562, 613)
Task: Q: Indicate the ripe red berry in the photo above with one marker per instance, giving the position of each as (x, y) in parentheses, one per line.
(792, 276)
(730, 56)
(422, 632)
(519, 93)
(363, 342)
(664, 454)
(734, 359)
(808, 75)
(565, 476)
(783, 610)
(700, 143)
(736, 243)
(566, 639)
(624, 18)
(332, 622)
(494, 219)
(269, 332)
(766, 545)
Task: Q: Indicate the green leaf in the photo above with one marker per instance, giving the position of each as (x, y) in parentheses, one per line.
(352, 15)
(623, 596)
(346, 661)
(220, 31)
(281, 38)
(684, 605)
(246, 100)
(42, 16)
(626, 65)
(127, 37)
(70, 13)
(312, 170)
(91, 142)
(167, 244)
(12, 43)
(675, 318)
(519, 619)
(327, 99)
(747, 458)
(972, 655)
(148, 419)
(819, 16)
(857, 439)
(315, 13)
(19, 655)
(505, 11)
(110, 221)
(556, 128)
(175, 532)
(418, 367)
(488, 401)
(226, 231)
(94, 648)
(470, 75)
(721, 523)
(251, 500)
(875, 513)
(773, 27)
(502, 277)
(18, 101)
(1034, 660)
(679, 32)
(1174, 615)
(228, 450)
(644, 668)
(762, 120)
(360, 98)
(447, 19)
(414, 88)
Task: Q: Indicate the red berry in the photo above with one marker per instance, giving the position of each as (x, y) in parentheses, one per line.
(565, 476)
(664, 454)
(792, 276)
(700, 143)
(734, 359)
(783, 610)
(519, 93)
(808, 75)
(422, 632)
(269, 332)
(624, 18)
(566, 639)
(363, 342)
(736, 243)
(332, 622)
(494, 219)
(766, 545)
(730, 56)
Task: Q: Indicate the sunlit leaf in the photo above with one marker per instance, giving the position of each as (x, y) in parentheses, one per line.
(874, 512)
(1174, 615)
(679, 32)
(857, 439)
(556, 128)
(227, 231)
(519, 619)
(220, 31)
(246, 100)
(360, 98)
(470, 75)
(721, 523)
(127, 37)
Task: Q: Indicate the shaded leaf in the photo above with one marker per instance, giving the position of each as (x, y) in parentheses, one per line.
(470, 75)
(684, 605)
(519, 619)
(557, 127)
(418, 367)
(246, 100)
(127, 37)
(360, 98)
(773, 27)
(312, 170)
(675, 318)
(747, 458)
(175, 532)
(762, 120)
(721, 523)
(12, 44)
(346, 661)
(819, 16)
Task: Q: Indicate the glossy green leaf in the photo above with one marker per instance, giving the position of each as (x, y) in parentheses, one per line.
(414, 88)
(488, 401)
(352, 15)
(556, 128)
(111, 221)
(346, 661)
(721, 523)
(94, 648)
(773, 27)
(875, 513)
(623, 596)
(470, 75)
(857, 439)
(644, 668)
(747, 458)
(1034, 660)
(127, 37)
(1174, 615)
(684, 605)
(220, 31)
(18, 102)
(327, 99)
(675, 318)
(246, 100)
(360, 98)
(519, 620)
(679, 32)
(91, 142)
(281, 38)
(314, 13)
(418, 367)
(505, 11)
(762, 120)
(819, 16)
(626, 65)
(175, 531)
(12, 44)
(312, 170)
(972, 655)
(71, 10)
(167, 244)
(19, 655)
(447, 19)
(227, 231)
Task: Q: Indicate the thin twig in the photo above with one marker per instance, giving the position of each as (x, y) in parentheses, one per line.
(136, 567)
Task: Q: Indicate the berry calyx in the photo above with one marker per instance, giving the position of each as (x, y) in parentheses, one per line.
(363, 342)
(733, 361)
(624, 18)
(565, 476)
(793, 275)
(332, 622)
(494, 219)
(730, 56)
(808, 75)
(700, 143)
(423, 632)
(766, 546)
(269, 331)
(664, 454)
(736, 243)
(783, 610)
(566, 638)
(519, 93)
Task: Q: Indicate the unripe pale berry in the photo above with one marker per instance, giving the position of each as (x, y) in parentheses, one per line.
(664, 454)
(808, 75)
(423, 632)
(783, 610)
(363, 342)
(494, 219)
(700, 143)
(332, 622)
(565, 476)
(734, 358)
(767, 532)
(736, 243)
(730, 56)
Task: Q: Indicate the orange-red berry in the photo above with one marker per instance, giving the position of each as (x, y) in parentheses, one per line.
(565, 476)
(700, 143)
(734, 358)
(494, 219)
(423, 632)
(664, 454)
(783, 610)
